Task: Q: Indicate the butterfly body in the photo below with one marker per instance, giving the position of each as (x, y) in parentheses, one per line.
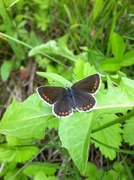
(71, 99)
(77, 97)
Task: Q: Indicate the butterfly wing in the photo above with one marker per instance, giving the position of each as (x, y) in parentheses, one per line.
(84, 101)
(50, 94)
(89, 84)
(62, 107)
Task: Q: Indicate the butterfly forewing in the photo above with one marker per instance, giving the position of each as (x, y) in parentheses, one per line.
(89, 84)
(50, 94)
(62, 107)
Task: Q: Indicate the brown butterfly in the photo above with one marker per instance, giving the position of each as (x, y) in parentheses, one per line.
(77, 97)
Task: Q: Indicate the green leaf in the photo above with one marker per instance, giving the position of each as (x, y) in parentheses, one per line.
(55, 79)
(54, 48)
(92, 172)
(118, 46)
(39, 175)
(14, 141)
(62, 41)
(22, 154)
(74, 133)
(17, 154)
(110, 64)
(110, 136)
(10, 175)
(42, 23)
(82, 69)
(33, 168)
(7, 154)
(98, 5)
(113, 174)
(118, 172)
(128, 59)
(116, 99)
(27, 119)
(128, 134)
(6, 69)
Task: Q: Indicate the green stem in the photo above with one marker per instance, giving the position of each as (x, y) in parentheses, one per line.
(118, 120)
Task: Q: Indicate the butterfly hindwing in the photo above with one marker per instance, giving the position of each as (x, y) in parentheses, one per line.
(89, 84)
(50, 94)
(84, 101)
(62, 107)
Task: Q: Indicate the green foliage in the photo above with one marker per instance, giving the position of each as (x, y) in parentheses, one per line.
(68, 41)
(118, 172)
(128, 131)
(6, 69)
(41, 170)
(55, 48)
(120, 58)
(22, 120)
(110, 136)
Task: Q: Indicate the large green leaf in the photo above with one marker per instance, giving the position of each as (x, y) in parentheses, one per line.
(74, 133)
(27, 119)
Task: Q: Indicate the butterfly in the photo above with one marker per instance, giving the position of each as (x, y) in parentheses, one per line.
(77, 97)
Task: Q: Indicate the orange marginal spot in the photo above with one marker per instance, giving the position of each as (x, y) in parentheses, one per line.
(85, 108)
(88, 106)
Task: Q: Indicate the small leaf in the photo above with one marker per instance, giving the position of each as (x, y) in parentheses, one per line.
(39, 175)
(128, 59)
(93, 172)
(55, 79)
(6, 69)
(118, 46)
(17, 154)
(128, 134)
(83, 69)
(22, 154)
(7, 153)
(33, 168)
(110, 64)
